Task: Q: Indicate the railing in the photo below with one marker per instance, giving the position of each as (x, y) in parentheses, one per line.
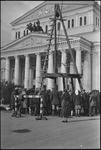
(33, 96)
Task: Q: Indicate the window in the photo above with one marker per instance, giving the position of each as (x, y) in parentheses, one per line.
(27, 31)
(96, 21)
(46, 28)
(58, 26)
(80, 21)
(18, 34)
(72, 23)
(24, 33)
(68, 23)
(34, 74)
(85, 20)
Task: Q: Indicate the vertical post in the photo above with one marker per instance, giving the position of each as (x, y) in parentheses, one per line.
(16, 75)
(63, 83)
(41, 107)
(38, 70)
(55, 44)
(72, 84)
(27, 63)
(16, 104)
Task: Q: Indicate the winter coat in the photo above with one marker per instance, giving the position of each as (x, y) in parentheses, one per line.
(77, 99)
(55, 99)
(65, 104)
(85, 101)
(93, 100)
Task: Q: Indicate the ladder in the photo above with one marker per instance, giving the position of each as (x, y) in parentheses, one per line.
(46, 55)
(40, 117)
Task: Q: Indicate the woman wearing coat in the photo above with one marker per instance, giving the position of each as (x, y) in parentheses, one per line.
(65, 106)
(77, 102)
(55, 100)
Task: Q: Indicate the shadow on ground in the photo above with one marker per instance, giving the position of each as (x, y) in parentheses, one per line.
(84, 119)
(22, 130)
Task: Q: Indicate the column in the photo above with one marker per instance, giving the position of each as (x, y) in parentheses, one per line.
(16, 75)
(87, 72)
(7, 70)
(50, 82)
(26, 80)
(63, 68)
(78, 64)
(38, 70)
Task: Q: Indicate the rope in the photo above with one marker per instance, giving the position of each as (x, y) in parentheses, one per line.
(61, 6)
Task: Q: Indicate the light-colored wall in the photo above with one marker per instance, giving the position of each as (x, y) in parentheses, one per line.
(74, 14)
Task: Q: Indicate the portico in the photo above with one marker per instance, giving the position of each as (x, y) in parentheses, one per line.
(32, 48)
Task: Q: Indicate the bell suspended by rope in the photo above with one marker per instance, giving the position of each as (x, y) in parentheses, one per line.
(57, 10)
(57, 14)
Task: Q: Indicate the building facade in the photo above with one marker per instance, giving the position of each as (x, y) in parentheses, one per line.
(22, 59)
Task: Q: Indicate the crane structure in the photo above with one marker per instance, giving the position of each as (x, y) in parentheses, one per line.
(56, 74)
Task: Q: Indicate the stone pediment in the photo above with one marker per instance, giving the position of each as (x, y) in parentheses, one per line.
(31, 40)
(46, 9)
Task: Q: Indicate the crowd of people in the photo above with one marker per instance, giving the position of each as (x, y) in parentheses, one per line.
(56, 103)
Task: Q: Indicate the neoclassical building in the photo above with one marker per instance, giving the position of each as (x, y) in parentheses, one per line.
(22, 59)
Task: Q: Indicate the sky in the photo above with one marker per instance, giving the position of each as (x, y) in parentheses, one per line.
(11, 10)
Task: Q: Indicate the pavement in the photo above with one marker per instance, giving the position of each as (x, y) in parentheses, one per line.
(27, 133)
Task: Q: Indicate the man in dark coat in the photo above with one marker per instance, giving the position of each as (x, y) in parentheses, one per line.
(55, 100)
(49, 106)
(92, 104)
(65, 106)
(85, 102)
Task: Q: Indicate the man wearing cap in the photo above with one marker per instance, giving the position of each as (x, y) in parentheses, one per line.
(55, 100)
(85, 102)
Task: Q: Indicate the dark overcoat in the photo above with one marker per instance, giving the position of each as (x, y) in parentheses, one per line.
(55, 99)
(65, 104)
(77, 99)
(85, 101)
(93, 99)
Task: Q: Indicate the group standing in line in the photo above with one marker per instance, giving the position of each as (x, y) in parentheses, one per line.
(56, 103)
